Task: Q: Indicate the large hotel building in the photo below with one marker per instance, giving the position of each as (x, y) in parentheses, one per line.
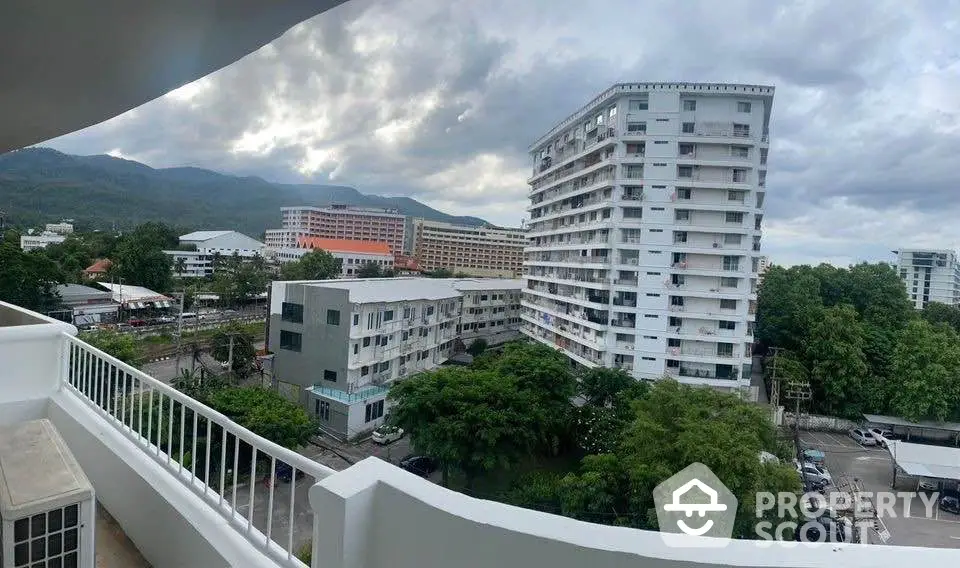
(338, 222)
(646, 208)
(477, 251)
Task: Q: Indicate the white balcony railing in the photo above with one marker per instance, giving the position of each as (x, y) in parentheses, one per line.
(171, 427)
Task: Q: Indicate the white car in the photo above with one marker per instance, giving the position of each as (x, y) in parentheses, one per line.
(813, 472)
(863, 437)
(387, 434)
(883, 436)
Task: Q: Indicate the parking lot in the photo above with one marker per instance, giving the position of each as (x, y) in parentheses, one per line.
(917, 525)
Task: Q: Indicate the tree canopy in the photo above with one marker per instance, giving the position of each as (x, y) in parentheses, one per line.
(369, 270)
(123, 346)
(852, 332)
(28, 279)
(243, 349)
(315, 265)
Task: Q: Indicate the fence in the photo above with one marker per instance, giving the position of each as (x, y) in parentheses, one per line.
(818, 422)
(196, 444)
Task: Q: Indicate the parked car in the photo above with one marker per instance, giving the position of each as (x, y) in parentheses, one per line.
(386, 434)
(950, 501)
(928, 485)
(863, 437)
(814, 473)
(419, 465)
(814, 456)
(166, 319)
(137, 322)
(883, 436)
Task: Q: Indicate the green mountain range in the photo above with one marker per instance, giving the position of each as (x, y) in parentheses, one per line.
(41, 185)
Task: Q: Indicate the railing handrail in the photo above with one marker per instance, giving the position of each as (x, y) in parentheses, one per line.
(287, 455)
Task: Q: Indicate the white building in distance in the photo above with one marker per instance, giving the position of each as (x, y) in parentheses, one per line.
(343, 342)
(43, 240)
(930, 276)
(199, 263)
(62, 228)
(645, 219)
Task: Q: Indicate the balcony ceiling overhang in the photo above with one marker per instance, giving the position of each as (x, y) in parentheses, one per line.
(68, 64)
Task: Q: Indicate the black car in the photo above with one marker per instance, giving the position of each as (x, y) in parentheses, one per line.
(419, 465)
(950, 501)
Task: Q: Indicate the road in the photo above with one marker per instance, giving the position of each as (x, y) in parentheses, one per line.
(167, 370)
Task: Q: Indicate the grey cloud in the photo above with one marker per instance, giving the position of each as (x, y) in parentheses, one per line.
(514, 69)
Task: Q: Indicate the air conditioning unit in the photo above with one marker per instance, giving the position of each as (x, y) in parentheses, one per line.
(47, 504)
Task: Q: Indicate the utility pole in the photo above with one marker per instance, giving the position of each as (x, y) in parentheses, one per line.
(798, 390)
(775, 383)
(180, 329)
(230, 354)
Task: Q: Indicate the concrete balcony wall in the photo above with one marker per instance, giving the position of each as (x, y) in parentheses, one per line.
(377, 516)
(30, 349)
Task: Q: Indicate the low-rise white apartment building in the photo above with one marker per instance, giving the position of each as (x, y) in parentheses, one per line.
(646, 208)
(344, 341)
(491, 310)
(43, 240)
(275, 239)
(477, 251)
(352, 254)
(930, 276)
(61, 228)
(209, 244)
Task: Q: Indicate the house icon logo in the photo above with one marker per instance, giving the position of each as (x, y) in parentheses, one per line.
(693, 503)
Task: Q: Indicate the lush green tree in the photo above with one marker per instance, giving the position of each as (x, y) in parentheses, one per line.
(545, 374)
(72, 256)
(244, 351)
(600, 386)
(925, 384)
(670, 427)
(180, 266)
(120, 345)
(838, 366)
(477, 346)
(139, 258)
(266, 413)
(471, 420)
(29, 279)
(238, 280)
(315, 265)
(788, 304)
(369, 270)
(936, 312)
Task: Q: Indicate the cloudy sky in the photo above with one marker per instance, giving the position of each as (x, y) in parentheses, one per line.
(439, 100)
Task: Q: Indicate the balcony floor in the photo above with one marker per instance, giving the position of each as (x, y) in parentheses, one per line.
(114, 548)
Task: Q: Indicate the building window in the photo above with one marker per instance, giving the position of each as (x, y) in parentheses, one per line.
(356, 319)
(388, 315)
(732, 239)
(740, 152)
(385, 366)
(406, 313)
(734, 217)
(731, 325)
(725, 349)
(613, 112)
(687, 128)
(651, 316)
(323, 410)
(649, 358)
(681, 215)
(743, 107)
(683, 193)
(728, 282)
(736, 195)
(728, 304)
(685, 172)
(291, 312)
(333, 317)
(637, 127)
(374, 410)
(689, 105)
(430, 308)
(330, 376)
(364, 371)
(356, 348)
(638, 104)
(366, 342)
(290, 340)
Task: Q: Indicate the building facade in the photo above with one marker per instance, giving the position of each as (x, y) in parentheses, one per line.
(208, 245)
(344, 342)
(930, 276)
(346, 223)
(61, 228)
(477, 251)
(352, 254)
(43, 240)
(646, 208)
(491, 310)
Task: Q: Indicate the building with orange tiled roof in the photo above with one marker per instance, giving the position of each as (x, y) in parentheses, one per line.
(352, 253)
(98, 269)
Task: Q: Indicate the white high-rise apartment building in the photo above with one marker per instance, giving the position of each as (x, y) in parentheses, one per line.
(930, 276)
(644, 237)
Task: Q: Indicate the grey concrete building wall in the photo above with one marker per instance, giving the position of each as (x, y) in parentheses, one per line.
(323, 345)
